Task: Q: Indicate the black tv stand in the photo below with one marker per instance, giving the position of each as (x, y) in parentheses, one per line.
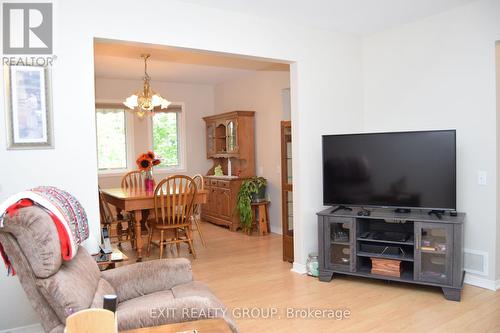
(341, 207)
(437, 213)
(402, 210)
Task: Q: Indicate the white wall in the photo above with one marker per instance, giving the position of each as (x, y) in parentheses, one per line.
(326, 88)
(198, 102)
(261, 92)
(439, 73)
(497, 61)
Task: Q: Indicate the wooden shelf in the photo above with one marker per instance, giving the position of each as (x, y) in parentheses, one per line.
(384, 256)
(406, 276)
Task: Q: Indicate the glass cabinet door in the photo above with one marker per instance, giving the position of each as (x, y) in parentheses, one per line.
(232, 144)
(288, 156)
(210, 139)
(220, 138)
(433, 260)
(339, 236)
(287, 190)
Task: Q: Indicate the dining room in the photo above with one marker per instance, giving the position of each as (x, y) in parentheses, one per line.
(139, 148)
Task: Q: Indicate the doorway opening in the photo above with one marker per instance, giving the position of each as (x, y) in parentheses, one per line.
(201, 86)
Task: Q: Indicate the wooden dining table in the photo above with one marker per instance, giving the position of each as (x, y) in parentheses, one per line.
(139, 202)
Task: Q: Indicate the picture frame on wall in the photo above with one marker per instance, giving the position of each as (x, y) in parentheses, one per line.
(28, 107)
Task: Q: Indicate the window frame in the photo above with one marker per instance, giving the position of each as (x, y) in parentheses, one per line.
(181, 127)
(129, 140)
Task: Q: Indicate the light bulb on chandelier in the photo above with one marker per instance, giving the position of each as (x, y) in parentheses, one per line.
(144, 102)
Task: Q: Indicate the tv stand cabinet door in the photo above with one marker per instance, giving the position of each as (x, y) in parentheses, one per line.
(339, 240)
(433, 253)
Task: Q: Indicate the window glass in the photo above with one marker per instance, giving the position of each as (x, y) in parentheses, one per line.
(111, 139)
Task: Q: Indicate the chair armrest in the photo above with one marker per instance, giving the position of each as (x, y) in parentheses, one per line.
(144, 278)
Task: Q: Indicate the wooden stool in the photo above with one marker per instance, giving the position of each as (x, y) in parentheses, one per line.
(261, 209)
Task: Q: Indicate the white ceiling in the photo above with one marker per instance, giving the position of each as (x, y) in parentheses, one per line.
(123, 61)
(354, 16)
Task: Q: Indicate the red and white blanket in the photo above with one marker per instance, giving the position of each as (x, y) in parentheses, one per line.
(65, 210)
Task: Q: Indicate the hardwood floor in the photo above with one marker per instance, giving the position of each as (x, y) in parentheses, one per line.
(248, 272)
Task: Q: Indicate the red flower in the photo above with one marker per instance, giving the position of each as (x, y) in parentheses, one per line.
(146, 161)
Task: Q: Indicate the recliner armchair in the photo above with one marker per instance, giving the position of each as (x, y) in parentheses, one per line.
(150, 293)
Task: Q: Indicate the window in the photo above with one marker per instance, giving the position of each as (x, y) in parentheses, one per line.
(166, 138)
(111, 138)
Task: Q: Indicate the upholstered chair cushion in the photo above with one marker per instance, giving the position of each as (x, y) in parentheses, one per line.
(187, 301)
(73, 287)
(148, 277)
(37, 237)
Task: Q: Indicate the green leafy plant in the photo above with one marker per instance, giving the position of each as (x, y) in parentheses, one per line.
(248, 188)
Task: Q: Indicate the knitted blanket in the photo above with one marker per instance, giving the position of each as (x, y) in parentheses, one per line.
(65, 210)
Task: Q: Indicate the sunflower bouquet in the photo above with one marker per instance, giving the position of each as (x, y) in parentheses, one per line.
(146, 162)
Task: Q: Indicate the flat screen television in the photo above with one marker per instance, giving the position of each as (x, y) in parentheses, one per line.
(391, 170)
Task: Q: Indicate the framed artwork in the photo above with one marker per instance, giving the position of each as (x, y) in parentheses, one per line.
(28, 110)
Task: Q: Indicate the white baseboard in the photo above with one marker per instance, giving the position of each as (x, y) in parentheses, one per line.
(481, 282)
(35, 328)
(299, 268)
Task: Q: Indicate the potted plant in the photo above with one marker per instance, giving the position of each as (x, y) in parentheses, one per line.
(253, 189)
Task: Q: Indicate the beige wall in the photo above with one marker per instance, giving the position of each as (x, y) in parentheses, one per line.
(198, 102)
(261, 92)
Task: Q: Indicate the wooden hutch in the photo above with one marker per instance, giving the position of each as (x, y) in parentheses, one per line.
(229, 136)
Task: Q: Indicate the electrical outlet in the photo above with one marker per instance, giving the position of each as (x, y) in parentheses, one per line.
(481, 178)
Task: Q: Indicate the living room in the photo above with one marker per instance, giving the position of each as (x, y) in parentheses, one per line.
(354, 68)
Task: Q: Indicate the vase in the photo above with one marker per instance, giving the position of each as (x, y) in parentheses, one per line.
(260, 195)
(149, 182)
(312, 265)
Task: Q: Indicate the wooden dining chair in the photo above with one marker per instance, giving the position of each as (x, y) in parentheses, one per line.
(118, 228)
(91, 321)
(196, 216)
(134, 180)
(173, 204)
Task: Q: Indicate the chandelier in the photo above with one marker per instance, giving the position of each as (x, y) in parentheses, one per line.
(144, 102)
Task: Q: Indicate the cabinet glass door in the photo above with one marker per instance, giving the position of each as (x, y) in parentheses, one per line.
(210, 139)
(287, 190)
(232, 144)
(339, 236)
(220, 139)
(433, 252)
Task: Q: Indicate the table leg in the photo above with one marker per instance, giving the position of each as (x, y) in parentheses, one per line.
(138, 233)
(145, 216)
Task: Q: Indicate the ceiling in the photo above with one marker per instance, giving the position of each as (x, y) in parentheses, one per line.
(122, 60)
(354, 16)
